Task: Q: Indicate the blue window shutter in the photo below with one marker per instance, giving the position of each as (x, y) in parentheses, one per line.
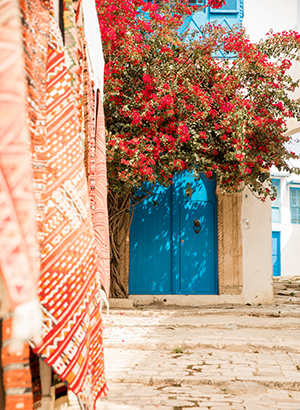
(230, 14)
(231, 5)
(295, 205)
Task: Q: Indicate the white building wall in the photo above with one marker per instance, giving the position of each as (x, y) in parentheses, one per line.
(257, 249)
(289, 232)
(260, 16)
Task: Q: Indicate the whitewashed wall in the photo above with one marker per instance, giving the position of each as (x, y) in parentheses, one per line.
(257, 249)
(260, 16)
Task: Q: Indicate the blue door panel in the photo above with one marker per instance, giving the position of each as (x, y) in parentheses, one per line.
(197, 250)
(150, 243)
(195, 257)
(276, 253)
(167, 256)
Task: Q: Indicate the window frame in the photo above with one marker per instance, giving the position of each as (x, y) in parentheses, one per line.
(277, 207)
(200, 9)
(297, 189)
(230, 11)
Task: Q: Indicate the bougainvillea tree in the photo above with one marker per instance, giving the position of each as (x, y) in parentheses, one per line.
(171, 104)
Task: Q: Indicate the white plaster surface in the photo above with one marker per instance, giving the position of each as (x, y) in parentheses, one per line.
(257, 249)
(261, 15)
(290, 233)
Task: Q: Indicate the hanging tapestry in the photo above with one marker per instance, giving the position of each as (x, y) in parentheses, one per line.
(69, 290)
(97, 175)
(18, 253)
(98, 182)
(100, 214)
(78, 51)
(35, 30)
(16, 371)
(73, 55)
(69, 286)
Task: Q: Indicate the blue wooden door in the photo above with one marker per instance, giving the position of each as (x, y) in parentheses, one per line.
(169, 252)
(276, 253)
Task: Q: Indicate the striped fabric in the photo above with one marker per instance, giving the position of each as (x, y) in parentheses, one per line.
(71, 272)
(73, 48)
(69, 285)
(98, 183)
(100, 214)
(16, 371)
(18, 255)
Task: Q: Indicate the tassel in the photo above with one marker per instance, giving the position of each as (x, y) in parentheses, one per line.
(104, 300)
(27, 324)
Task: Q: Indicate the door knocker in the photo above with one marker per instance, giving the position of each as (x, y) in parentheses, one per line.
(197, 226)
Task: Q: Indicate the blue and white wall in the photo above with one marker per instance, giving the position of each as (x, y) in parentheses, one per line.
(286, 220)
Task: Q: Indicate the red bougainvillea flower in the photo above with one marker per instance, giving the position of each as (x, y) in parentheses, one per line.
(216, 4)
(171, 105)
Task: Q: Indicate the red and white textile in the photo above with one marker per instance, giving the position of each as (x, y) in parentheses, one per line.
(69, 286)
(97, 143)
(18, 251)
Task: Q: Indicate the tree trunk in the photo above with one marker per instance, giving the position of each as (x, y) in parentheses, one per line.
(119, 224)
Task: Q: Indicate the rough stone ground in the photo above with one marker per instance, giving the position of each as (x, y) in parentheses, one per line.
(209, 357)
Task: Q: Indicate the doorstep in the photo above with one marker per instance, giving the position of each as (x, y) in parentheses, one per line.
(184, 300)
(121, 303)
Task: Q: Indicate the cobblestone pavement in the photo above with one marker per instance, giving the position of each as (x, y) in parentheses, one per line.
(210, 357)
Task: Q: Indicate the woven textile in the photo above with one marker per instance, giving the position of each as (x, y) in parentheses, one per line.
(18, 254)
(98, 183)
(94, 43)
(95, 143)
(69, 291)
(100, 214)
(69, 287)
(73, 55)
(53, 387)
(35, 30)
(16, 372)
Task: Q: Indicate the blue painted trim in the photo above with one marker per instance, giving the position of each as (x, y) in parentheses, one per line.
(208, 13)
(278, 251)
(241, 10)
(216, 276)
(293, 183)
(277, 206)
(277, 176)
(295, 206)
(219, 11)
(172, 245)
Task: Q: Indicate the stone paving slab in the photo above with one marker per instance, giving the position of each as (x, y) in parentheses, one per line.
(192, 332)
(204, 366)
(232, 359)
(235, 396)
(207, 358)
